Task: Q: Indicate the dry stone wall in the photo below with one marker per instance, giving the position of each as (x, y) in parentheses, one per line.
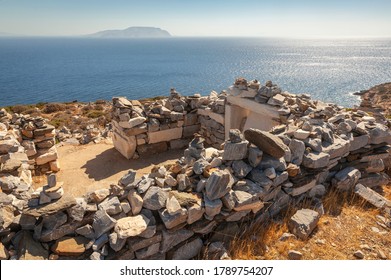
(194, 207)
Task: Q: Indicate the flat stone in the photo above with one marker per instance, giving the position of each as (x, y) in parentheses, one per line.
(346, 179)
(245, 202)
(138, 243)
(4, 254)
(258, 176)
(280, 179)
(70, 246)
(339, 148)
(254, 156)
(99, 195)
(266, 142)
(52, 208)
(165, 135)
(155, 198)
(45, 157)
(316, 160)
(375, 166)
(188, 250)
(148, 252)
(278, 164)
(87, 231)
(131, 226)
(218, 184)
(235, 151)
(371, 196)
(380, 134)
(171, 221)
(102, 223)
(303, 222)
(302, 189)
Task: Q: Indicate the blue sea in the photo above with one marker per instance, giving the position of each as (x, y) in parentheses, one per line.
(65, 69)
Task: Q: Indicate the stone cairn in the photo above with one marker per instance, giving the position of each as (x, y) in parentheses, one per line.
(155, 126)
(194, 208)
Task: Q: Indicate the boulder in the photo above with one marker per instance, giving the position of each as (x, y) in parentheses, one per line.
(102, 223)
(316, 160)
(266, 142)
(155, 198)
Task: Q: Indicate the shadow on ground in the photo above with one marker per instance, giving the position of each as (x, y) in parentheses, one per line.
(111, 162)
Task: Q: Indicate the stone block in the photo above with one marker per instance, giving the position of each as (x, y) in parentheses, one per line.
(165, 135)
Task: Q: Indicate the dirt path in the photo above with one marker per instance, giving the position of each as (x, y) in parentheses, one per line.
(95, 166)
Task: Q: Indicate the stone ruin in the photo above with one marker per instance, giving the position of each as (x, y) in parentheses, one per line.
(184, 210)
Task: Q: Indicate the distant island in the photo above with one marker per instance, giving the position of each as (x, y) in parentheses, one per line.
(133, 32)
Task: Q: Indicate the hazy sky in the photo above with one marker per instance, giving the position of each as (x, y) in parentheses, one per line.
(293, 18)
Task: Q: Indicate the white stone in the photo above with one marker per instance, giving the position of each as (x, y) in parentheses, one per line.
(131, 226)
(132, 122)
(301, 134)
(165, 135)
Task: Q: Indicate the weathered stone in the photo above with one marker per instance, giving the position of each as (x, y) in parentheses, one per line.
(303, 222)
(165, 135)
(346, 179)
(380, 134)
(189, 131)
(371, 196)
(99, 195)
(27, 222)
(316, 160)
(102, 223)
(144, 184)
(199, 166)
(189, 250)
(216, 251)
(218, 184)
(9, 182)
(270, 173)
(148, 252)
(170, 181)
(235, 151)
(203, 226)
(268, 161)
(358, 142)
(171, 221)
(47, 156)
(259, 177)
(297, 148)
(55, 192)
(212, 207)
(172, 205)
(280, 179)
(100, 242)
(293, 170)
(317, 191)
(132, 122)
(183, 182)
(254, 156)
(266, 142)
(51, 208)
(240, 168)
(70, 246)
(5, 199)
(301, 134)
(131, 226)
(235, 136)
(155, 198)
(301, 189)
(294, 255)
(171, 239)
(86, 231)
(375, 166)
(374, 180)
(6, 216)
(194, 213)
(128, 178)
(111, 205)
(187, 199)
(138, 243)
(136, 201)
(359, 254)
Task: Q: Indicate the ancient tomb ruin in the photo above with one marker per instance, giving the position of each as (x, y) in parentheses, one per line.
(232, 171)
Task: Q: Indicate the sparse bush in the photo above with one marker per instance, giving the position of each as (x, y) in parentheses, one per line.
(53, 107)
(94, 114)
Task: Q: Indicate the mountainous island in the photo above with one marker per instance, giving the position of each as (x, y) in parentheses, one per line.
(133, 32)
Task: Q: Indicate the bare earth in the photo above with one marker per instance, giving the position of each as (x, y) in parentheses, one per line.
(96, 166)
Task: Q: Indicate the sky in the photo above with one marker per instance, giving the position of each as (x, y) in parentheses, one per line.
(248, 18)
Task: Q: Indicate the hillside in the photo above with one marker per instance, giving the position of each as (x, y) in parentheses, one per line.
(133, 32)
(377, 98)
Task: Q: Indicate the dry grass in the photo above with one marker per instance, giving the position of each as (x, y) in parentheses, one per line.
(349, 224)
